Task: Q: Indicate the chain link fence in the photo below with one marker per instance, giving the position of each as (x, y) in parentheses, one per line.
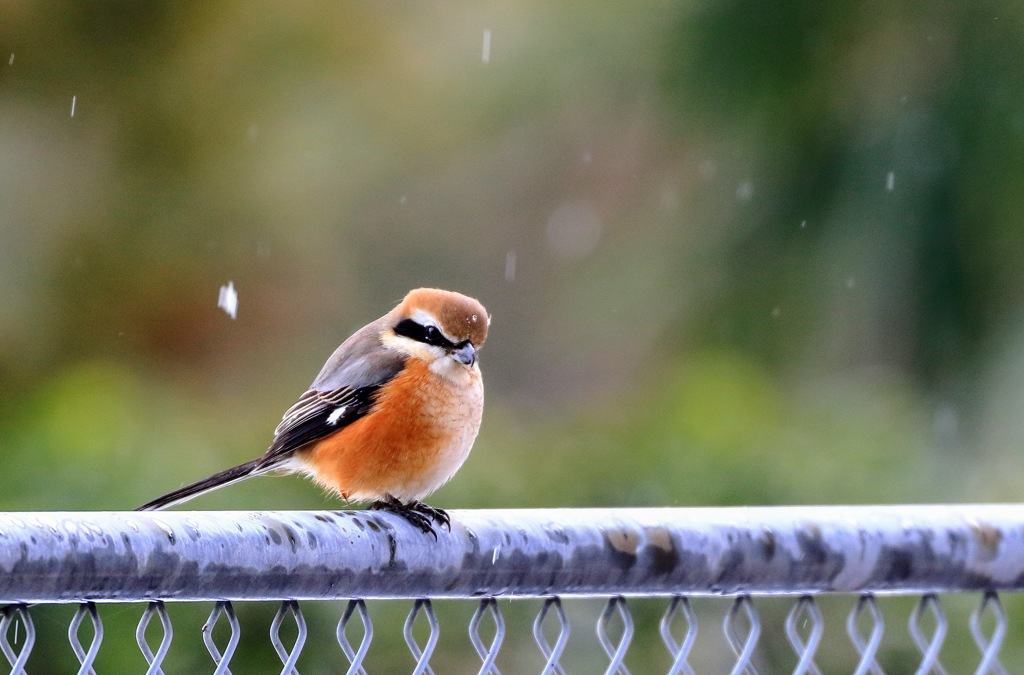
(758, 590)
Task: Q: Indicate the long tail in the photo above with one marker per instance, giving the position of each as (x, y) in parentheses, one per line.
(227, 477)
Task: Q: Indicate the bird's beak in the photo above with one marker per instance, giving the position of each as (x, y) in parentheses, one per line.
(465, 354)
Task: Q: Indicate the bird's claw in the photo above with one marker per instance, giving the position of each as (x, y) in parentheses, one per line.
(416, 513)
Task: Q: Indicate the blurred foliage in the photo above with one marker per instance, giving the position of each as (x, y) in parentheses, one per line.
(736, 253)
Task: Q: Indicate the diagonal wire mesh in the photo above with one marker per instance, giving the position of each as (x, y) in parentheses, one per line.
(422, 655)
(617, 653)
(618, 627)
(552, 655)
(748, 628)
(288, 657)
(222, 660)
(743, 647)
(355, 657)
(866, 649)
(805, 611)
(86, 657)
(989, 646)
(929, 647)
(154, 661)
(679, 606)
(487, 654)
(16, 616)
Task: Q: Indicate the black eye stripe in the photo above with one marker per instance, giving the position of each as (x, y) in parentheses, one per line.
(425, 334)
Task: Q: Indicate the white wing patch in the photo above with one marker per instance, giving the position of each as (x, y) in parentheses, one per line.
(333, 418)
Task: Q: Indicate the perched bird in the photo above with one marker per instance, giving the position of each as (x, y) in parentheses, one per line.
(391, 416)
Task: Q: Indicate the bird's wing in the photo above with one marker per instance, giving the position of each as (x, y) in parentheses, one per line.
(323, 410)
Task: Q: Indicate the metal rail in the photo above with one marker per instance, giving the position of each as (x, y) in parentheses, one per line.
(297, 555)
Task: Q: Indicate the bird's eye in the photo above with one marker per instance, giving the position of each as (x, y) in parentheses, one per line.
(428, 334)
(433, 336)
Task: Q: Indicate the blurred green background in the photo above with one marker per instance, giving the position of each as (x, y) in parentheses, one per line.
(735, 252)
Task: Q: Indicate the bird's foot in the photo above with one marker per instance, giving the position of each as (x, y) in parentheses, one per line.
(417, 513)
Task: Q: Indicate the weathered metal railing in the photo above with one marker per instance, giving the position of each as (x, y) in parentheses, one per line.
(550, 555)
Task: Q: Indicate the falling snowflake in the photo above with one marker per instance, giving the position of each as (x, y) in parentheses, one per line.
(228, 299)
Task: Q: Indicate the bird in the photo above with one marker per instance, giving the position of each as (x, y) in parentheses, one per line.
(391, 416)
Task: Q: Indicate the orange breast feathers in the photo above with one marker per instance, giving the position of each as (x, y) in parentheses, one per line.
(419, 434)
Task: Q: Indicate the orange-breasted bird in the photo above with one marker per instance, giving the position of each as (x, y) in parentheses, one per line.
(391, 416)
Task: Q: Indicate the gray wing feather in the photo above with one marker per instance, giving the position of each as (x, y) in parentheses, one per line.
(343, 392)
